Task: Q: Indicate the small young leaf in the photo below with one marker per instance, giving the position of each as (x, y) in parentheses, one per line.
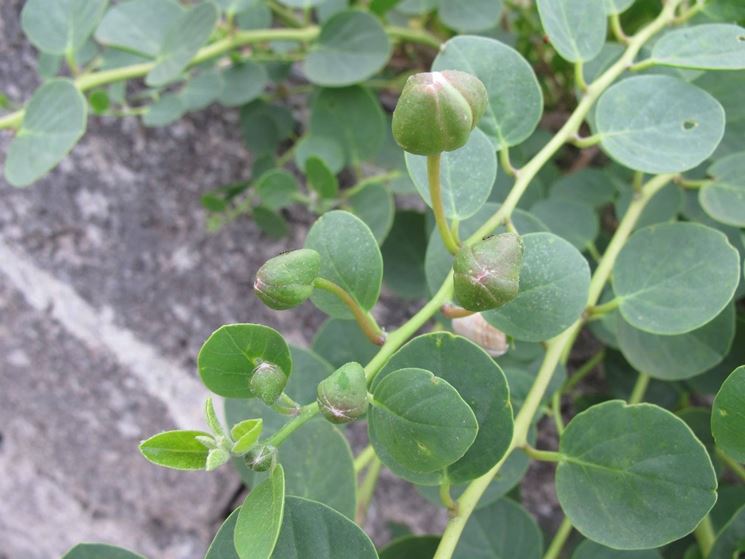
(419, 423)
(179, 450)
(657, 136)
(320, 178)
(212, 421)
(54, 121)
(713, 46)
(246, 434)
(99, 101)
(61, 26)
(352, 47)
(576, 28)
(229, 356)
(350, 258)
(676, 277)
(259, 522)
(633, 477)
(504, 530)
(724, 198)
(99, 551)
(314, 530)
(515, 98)
(728, 415)
(216, 458)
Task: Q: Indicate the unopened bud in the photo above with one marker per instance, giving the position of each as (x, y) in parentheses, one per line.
(479, 331)
(267, 382)
(286, 281)
(437, 111)
(342, 397)
(487, 274)
(261, 457)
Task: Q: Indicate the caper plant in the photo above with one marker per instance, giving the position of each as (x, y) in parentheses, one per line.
(582, 283)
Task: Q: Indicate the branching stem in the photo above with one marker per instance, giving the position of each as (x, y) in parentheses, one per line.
(364, 319)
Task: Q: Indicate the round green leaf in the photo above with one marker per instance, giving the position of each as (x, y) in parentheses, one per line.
(470, 15)
(466, 176)
(554, 282)
(314, 530)
(728, 415)
(326, 149)
(222, 546)
(375, 206)
(678, 357)
(139, 25)
(352, 47)
(484, 388)
(664, 207)
(229, 356)
(403, 253)
(319, 466)
(633, 477)
(243, 83)
(675, 277)
(60, 26)
(100, 551)
(310, 369)
(712, 46)
(515, 98)
(257, 527)
(277, 189)
(576, 28)
(411, 547)
(419, 423)
(353, 118)
(54, 121)
(350, 258)
(503, 530)
(641, 129)
(169, 108)
(591, 550)
(356, 347)
(724, 198)
(730, 542)
(572, 220)
(618, 6)
(589, 186)
(179, 450)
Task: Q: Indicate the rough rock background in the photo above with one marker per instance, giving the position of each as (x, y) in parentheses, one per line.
(109, 284)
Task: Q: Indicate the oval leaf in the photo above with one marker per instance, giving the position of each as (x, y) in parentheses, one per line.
(641, 129)
(178, 450)
(470, 15)
(576, 28)
(728, 415)
(675, 277)
(229, 356)
(569, 219)
(223, 546)
(411, 547)
(724, 198)
(350, 258)
(712, 46)
(419, 423)
(554, 283)
(633, 477)
(515, 98)
(243, 83)
(53, 122)
(592, 550)
(260, 518)
(60, 26)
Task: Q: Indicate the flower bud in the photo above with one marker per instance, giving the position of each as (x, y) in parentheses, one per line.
(342, 396)
(286, 281)
(479, 331)
(267, 382)
(261, 457)
(437, 111)
(487, 274)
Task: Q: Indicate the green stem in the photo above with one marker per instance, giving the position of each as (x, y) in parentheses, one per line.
(414, 36)
(435, 194)
(364, 320)
(364, 458)
(560, 539)
(583, 371)
(605, 308)
(705, 536)
(586, 141)
(367, 489)
(579, 76)
(617, 29)
(556, 412)
(367, 181)
(542, 455)
(504, 160)
(305, 415)
(640, 388)
(693, 184)
(446, 498)
(732, 464)
(285, 15)
(643, 65)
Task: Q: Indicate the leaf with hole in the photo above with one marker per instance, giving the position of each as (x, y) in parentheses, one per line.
(633, 477)
(728, 415)
(674, 278)
(350, 258)
(352, 47)
(515, 98)
(478, 380)
(640, 128)
(418, 423)
(576, 28)
(260, 519)
(53, 122)
(227, 359)
(709, 46)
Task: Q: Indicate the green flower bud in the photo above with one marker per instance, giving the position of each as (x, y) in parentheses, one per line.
(437, 111)
(286, 281)
(261, 457)
(487, 274)
(342, 396)
(267, 382)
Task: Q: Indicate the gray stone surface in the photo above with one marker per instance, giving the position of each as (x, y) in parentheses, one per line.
(109, 284)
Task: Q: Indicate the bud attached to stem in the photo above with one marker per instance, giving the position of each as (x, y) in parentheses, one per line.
(261, 457)
(487, 274)
(267, 382)
(286, 281)
(437, 111)
(342, 397)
